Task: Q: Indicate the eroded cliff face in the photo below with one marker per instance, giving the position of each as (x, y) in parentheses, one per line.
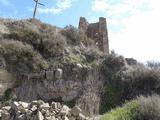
(77, 85)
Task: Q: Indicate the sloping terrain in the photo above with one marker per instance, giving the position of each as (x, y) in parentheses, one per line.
(50, 63)
(43, 62)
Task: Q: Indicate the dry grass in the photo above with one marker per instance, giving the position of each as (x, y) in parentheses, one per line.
(149, 107)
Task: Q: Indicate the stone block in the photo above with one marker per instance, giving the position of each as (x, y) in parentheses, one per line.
(49, 75)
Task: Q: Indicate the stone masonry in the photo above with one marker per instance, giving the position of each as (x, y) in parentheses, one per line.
(96, 31)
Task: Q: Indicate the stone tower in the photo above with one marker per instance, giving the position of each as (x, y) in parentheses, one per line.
(97, 32)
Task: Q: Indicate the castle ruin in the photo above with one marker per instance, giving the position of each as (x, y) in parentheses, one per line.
(97, 32)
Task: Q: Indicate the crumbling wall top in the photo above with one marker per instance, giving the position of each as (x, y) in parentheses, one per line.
(96, 31)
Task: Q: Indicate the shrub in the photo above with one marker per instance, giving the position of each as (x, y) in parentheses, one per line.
(6, 96)
(75, 37)
(112, 64)
(92, 54)
(74, 59)
(128, 111)
(111, 97)
(141, 80)
(44, 38)
(143, 108)
(125, 82)
(153, 65)
(53, 47)
(21, 58)
(25, 35)
(149, 107)
(112, 94)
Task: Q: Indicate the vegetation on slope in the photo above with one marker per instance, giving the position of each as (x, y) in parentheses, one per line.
(143, 108)
(126, 82)
(21, 57)
(127, 112)
(31, 46)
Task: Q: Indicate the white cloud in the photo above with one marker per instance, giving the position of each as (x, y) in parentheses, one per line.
(99, 5)
(61, 5)
(140, 36)
(119, 7)
(4, 2)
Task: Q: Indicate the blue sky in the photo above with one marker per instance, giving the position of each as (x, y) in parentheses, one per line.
(133, 25)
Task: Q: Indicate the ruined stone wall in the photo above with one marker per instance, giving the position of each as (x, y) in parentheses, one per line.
(96, 31)
(74, 84)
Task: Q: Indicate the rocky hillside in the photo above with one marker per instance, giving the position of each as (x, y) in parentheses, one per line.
(43, 62)
(40, 61)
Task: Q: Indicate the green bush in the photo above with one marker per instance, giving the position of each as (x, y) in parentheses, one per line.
(125, 82)
(111, 97)
(143, 108)
(113, 63)
(112, 94)
(74, 59)
(7, 95)
(128, 111)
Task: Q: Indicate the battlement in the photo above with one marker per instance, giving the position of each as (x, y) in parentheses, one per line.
(96, 31)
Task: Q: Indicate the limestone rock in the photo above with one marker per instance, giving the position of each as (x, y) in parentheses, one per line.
(65, 110)
(7, 108)
(5, 115)
(34, 108)
(56, 106)
(39, 110)
(19, 106)
(45, 106)
(81, 117)
(15, 106)
(59, 73)
(50, 118)
(79, 65)
(76, 111)
(21, 117)
(40, 116)
(24, 104)
(49, 75)
(1, 113)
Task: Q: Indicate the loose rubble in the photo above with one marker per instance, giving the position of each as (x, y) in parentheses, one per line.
(39, 110)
